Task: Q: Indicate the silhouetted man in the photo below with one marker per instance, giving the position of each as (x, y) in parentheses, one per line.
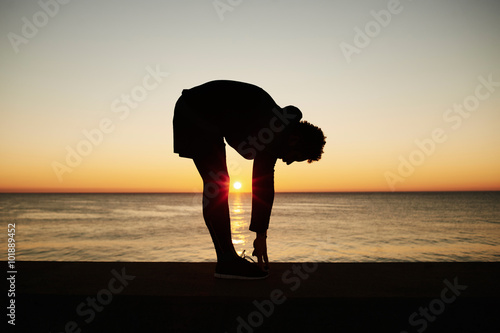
(253, 124)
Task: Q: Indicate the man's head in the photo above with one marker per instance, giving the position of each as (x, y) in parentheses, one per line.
(305, 142)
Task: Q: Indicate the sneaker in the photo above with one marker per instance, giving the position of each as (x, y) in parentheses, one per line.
(240, 269)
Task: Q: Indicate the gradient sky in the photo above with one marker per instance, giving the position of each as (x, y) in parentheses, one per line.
(399, 85)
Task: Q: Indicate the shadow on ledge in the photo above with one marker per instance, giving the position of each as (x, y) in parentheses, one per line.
(297, 297)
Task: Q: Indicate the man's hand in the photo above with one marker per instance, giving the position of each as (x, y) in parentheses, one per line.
(260, 251)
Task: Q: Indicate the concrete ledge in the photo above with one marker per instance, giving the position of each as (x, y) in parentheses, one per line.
(297, 297)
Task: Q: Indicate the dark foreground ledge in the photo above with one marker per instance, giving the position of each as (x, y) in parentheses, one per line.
(297, 297)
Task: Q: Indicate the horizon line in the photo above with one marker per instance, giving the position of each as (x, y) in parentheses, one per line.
(236, 192)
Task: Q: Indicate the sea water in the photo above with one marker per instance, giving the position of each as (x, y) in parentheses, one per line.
(316, 227)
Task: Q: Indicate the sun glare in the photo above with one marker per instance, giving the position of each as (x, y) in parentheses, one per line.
(237, 185)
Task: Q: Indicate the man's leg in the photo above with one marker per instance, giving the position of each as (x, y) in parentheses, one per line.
(213, 170)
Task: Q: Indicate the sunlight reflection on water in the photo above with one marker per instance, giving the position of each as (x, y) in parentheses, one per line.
(328, 227)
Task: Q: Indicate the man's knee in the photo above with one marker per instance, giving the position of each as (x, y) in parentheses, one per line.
(213, 171)
(217, 183)
(220, 177)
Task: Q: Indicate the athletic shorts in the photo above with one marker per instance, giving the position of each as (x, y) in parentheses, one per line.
(194, 135)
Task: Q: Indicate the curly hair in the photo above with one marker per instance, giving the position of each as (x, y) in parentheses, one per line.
(312, 140)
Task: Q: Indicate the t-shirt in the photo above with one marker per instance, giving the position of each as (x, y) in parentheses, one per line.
(244, 114)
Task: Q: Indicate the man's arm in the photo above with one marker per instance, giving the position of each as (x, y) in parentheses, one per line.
(262, 192)
(262, 204)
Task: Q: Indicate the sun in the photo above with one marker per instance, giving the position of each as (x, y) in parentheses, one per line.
(237, 185)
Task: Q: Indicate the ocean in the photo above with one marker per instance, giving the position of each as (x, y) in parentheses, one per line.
(314, 227)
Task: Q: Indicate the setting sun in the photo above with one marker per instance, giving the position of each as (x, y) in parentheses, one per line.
(237, 185)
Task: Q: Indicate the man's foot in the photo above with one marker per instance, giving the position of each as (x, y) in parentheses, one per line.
(240, 269)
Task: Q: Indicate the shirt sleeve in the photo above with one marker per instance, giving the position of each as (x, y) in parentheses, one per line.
(262, 191)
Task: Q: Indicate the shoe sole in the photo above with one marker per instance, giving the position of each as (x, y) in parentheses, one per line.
(239, 277)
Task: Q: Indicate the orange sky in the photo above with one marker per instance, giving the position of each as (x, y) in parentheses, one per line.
(71, 89)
